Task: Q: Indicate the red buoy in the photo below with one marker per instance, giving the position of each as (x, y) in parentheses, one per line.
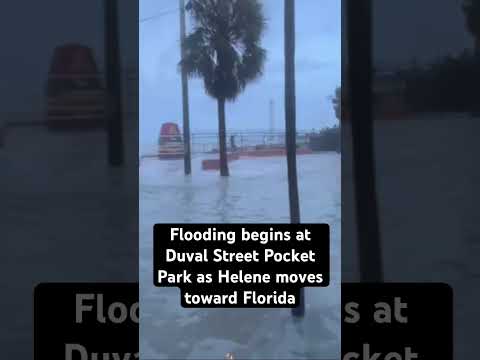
(170, 142)
(76, 97)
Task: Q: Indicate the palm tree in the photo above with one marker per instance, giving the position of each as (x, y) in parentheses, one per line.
(290, 125)
(471, 8)
(224, 49)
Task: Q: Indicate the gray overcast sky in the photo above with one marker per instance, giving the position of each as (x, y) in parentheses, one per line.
(318, 55)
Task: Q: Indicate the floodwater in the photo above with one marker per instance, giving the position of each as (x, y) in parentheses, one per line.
(256, 192)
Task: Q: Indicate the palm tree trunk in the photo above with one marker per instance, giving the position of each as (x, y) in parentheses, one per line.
(222, 138)
(113, 74)
(187, 162)
(290, 126)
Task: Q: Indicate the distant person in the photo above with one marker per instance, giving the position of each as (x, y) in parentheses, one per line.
(232, 143)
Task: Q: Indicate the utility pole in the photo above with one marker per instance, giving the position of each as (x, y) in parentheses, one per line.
(291, 129)
(186, 112)
(113, 86)
(360, 69)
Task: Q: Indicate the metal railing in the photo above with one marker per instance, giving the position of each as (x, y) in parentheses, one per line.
(207, 142)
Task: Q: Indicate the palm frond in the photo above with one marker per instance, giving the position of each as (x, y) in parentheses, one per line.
(224, 47)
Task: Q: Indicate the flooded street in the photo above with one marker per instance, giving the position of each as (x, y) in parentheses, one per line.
(256, 192)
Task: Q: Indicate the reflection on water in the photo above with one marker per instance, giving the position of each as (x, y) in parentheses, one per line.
(256, 192)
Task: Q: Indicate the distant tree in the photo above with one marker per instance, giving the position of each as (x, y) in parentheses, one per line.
(224, 50)
(337, 103)
(471, 8)
(327, 139)
(446, 85)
